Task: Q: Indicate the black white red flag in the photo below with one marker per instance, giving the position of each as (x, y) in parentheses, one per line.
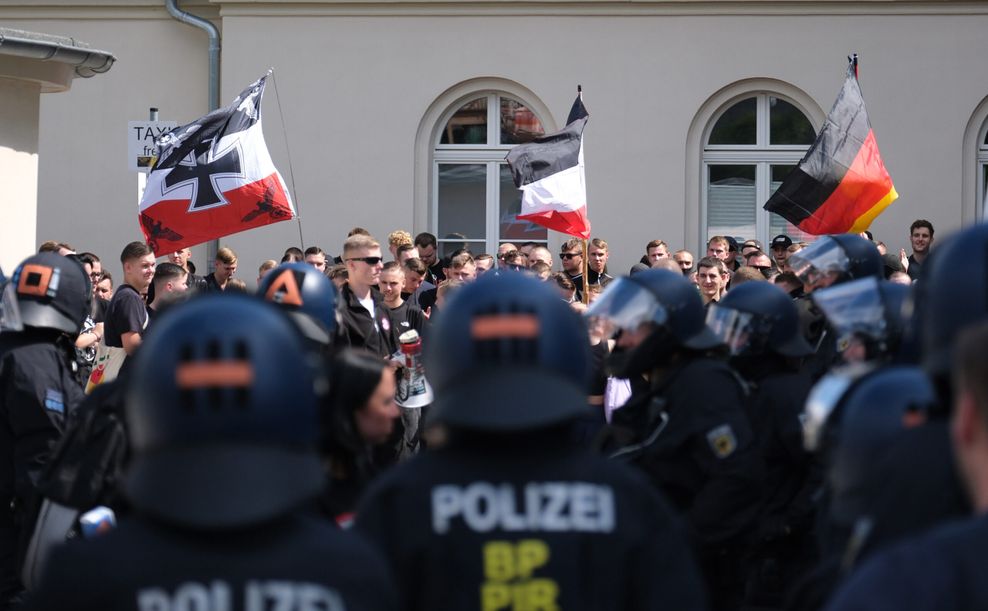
(213, 177)
(549, 172)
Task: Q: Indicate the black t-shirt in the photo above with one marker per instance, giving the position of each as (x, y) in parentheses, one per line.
(127, 314)
(407, 317)
(297, 562)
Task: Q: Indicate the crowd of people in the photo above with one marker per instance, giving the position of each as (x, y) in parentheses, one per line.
(802, 426)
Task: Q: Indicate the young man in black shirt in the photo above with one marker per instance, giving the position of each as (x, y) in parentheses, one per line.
(226, 267)
(127, 316)
(365, 321)
(405, 315)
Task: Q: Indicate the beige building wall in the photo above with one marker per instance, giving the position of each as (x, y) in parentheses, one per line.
(360, 85)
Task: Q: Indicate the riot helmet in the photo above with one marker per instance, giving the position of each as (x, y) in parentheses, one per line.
(507, 355)
(662, 299)
(951, 294)
(757, 318)
(222, 414)
(867, 312)
(51, 292)
(836, 258)
(307, 295)
(876, 411)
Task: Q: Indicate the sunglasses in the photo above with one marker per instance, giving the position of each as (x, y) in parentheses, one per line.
(569, 255)
(367, 260)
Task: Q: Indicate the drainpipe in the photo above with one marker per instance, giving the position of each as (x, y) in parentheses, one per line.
(214, 83)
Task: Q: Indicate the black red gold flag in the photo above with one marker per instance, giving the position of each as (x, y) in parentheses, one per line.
(841, 184)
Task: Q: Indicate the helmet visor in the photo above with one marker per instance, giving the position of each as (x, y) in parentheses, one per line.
(624, 306)
(854, 308)
(823, 257)
(821, 403)
(736, 329)
(10, 313)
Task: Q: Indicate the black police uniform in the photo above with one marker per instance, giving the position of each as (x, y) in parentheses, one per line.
(297, 562)
(359, 330)
(691, 436)
(785, 548)
(527, 522)
(38, 389)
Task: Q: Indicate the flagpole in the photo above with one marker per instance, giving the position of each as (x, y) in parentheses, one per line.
(288, 153)
(853, 58)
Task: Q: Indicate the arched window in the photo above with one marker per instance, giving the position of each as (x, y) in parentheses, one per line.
(474, 200)
(748, 149)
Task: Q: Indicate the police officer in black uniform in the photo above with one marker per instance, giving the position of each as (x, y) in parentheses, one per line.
(759, 324)
(685, 424)
(829, 261)
(509, 514)
(38, 390)
(868, 317)
(222, 420)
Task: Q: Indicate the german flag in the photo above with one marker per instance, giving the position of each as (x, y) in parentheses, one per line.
(841, 185)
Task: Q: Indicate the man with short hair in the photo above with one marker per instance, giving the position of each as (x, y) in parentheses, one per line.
(404, 252)
(684, 259)
(316, 257)
(127, 315)
(503, 249)
(168, 279)
(598, 254)
(484, 262)
(571, 256)
(181, 259)
(226, 267)
(526, 249)
(417, 289)
(921, 238)
(427, 247)
(655, 250)
(365, 321)
(759, 261)
(711, 277)
(780, 245)
(266, 267)
(536, 255)
(719, 247)
(404, 315)
(463, 268)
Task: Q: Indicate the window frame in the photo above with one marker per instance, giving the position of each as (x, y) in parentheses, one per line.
(762, 155)
(491, 155)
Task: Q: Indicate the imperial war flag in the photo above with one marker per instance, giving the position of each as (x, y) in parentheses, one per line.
(213, 177)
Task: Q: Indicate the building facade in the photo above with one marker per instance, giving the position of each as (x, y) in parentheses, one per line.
(398, 114)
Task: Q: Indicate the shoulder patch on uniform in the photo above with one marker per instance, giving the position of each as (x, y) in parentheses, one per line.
(54, 401)
(722, 440)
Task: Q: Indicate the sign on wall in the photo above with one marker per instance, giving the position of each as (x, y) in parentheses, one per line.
(140, 142)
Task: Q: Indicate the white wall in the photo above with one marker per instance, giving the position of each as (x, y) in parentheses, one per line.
(353, 85)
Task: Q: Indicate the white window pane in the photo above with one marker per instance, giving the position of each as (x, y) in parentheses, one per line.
(731, 200)
(510, 228)
(462, 201)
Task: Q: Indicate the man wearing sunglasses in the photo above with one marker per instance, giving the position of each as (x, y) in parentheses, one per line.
(365, 322)
(572, 257)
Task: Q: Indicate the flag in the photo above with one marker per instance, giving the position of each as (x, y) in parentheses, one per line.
(841, 185)
(213, 177)
(549, 172)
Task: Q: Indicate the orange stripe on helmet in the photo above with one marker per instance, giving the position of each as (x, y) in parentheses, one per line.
(499, 326)
(212, 374)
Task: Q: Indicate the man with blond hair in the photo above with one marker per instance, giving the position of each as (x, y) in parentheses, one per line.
(365, 322)
(398, 238)
(226, 267)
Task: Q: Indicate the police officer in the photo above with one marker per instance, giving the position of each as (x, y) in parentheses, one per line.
(221, 411)
(509, 514)
(759, 324)
(831, 260)
(309, 298)
(38, 389)
(867, 316)
(685, 424)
